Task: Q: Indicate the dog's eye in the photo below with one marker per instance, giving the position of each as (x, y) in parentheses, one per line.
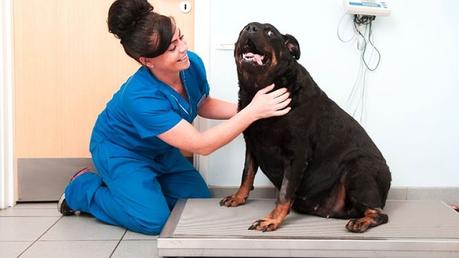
(270, 33)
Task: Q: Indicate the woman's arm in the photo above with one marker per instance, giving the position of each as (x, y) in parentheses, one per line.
(185, 137)
(217, 109)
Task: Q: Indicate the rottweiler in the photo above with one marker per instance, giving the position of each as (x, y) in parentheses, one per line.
(319, 158)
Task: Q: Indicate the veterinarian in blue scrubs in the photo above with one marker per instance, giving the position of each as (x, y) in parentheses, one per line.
(136, 139)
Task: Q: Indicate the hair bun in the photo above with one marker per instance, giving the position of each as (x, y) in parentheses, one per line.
(124, 16)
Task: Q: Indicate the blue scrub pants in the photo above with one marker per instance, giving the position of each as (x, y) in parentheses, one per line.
(133, 191)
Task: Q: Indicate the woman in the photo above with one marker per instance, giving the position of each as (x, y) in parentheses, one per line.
(136, 139)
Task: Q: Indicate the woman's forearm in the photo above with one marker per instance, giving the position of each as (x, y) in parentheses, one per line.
(217, 109)
(221, 134)
(184, 136)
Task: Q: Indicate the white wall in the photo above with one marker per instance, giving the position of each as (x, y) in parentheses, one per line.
(412, 102)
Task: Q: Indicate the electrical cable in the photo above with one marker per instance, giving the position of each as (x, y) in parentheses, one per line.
(374, 47)
(363, 34)
(367, 22)
(338, 31)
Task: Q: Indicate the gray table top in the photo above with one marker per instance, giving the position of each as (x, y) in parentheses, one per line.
(407, 219)
(201, 227)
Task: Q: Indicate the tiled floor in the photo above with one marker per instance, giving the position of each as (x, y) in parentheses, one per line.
(39, 230)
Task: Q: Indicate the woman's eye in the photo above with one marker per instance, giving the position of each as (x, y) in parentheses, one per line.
(175, 44)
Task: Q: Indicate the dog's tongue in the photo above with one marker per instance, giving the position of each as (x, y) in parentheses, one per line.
(254, 57)
(258, 59)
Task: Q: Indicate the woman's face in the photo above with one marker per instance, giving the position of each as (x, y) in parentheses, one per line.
(175, 59)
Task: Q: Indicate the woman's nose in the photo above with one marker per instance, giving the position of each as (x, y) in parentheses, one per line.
(183, 46)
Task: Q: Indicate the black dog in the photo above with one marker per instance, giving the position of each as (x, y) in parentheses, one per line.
(318, 157)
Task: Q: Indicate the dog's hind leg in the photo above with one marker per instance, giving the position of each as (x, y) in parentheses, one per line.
(372, 218)
(367, 187)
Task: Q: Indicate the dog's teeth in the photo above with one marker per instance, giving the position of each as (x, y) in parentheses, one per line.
(248, 55)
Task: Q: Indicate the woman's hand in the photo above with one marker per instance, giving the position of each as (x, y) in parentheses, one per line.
(267, 104)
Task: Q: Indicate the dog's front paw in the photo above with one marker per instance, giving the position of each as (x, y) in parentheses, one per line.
(265, 225)
(233, 201)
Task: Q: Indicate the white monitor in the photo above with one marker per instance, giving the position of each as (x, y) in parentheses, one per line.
(367, 7)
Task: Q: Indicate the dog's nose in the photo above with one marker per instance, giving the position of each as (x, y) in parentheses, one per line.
(251, 28)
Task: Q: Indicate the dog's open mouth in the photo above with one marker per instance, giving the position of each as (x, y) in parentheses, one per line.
(250, 54)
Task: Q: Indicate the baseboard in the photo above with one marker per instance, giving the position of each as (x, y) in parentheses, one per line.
(446, 194)
(44, 179)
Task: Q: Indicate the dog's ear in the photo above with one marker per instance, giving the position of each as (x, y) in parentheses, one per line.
(292, 44)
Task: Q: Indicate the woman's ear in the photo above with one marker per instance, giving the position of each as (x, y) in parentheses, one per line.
(143, 60)
(292, 44)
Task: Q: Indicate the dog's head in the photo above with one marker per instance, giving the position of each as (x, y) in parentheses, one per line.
(262, 54)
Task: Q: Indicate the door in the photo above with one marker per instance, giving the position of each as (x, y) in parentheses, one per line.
(66, 67)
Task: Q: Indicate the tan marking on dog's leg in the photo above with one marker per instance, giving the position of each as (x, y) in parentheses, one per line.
(372, 218)
(340, 199)
(274, 219)
(240, 197)
(246, 187)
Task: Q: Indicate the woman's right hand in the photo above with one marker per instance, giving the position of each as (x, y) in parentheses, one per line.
(267, 104)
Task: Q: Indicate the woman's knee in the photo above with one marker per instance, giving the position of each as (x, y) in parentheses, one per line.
(150, 223)
(201, 192)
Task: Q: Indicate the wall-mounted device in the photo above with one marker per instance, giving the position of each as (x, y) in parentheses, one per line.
(367, 7)
(363, 13)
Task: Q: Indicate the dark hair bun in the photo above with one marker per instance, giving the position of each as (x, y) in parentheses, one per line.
(124, 16)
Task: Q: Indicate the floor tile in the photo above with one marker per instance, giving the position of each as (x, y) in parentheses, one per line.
(68, 249)
(138, 249)
(22, 212)
(24, 228)
(137, 236)
(83, 228)
(12, 249)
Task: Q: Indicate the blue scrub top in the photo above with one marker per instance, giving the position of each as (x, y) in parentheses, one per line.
(145, 107)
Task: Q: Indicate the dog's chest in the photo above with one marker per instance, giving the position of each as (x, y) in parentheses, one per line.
(268, 132)
(269, 143)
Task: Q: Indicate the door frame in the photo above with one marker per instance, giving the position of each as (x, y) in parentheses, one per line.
(7, 178)
(203, 48)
